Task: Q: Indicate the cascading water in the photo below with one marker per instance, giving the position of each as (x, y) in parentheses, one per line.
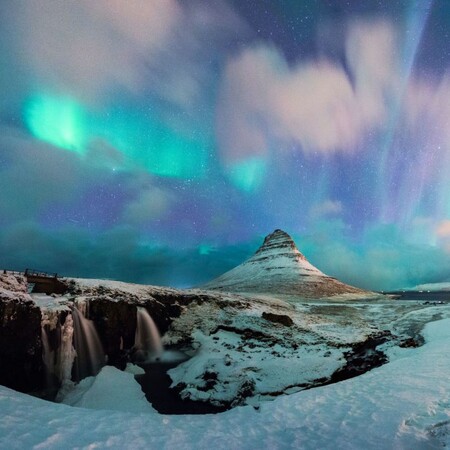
(90, 357)
(48, 357)
(58, 358)
(147, 343)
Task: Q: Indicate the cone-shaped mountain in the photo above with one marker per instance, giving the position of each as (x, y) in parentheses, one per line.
(278, 267)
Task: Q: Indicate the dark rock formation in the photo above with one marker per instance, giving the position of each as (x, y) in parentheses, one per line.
(412, 342)
(278, 318)
(21, 365)
(115, 322)
(363, 357)
(278, 267)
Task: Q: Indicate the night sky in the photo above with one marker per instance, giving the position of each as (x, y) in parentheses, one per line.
(158, 141)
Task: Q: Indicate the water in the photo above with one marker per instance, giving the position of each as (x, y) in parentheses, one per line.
(90, 357)
(48, 358)
(147, 341)
(430, 296)
(155, 384)
(57, 350)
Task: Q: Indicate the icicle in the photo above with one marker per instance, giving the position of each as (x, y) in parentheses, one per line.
(66, 352)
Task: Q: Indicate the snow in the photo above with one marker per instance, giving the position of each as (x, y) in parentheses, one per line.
(112, 390)
(235, 364)
(134, 369)
(404, 404)
(129, 288)
(13, 286)
(49, 303)
(234, 341)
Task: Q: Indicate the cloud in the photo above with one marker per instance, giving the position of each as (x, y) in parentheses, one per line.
(35, 175)
(152, 203)
(371, 53)
(382, 259)
(315, 104)
(118, 253)
(95, 49)
(443, 235)
(89, 46)
(39, 181)
(443, 229)
(326, 208)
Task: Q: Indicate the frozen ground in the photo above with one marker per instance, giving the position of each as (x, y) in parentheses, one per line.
(404, 404)
(237, 353)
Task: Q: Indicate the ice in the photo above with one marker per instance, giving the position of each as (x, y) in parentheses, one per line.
(404, 404)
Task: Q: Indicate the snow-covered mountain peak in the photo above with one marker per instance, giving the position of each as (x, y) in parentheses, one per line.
(279, 243)
(279, 255)
(278, 267)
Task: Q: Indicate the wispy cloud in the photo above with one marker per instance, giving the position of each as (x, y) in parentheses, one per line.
(316, 104)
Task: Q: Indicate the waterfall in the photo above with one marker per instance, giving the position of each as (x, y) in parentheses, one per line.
(89, 352)
(58, 359)
(48, 357)
(147, 342)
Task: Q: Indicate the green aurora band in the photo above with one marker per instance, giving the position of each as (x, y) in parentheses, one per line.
(143, 141)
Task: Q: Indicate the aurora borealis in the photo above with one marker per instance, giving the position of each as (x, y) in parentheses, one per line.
(158, 141)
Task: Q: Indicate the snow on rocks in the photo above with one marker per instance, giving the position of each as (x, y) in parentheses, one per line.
(13, 286)
(238, 356)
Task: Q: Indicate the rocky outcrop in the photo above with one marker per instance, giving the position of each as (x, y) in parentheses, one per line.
(279, 268)
(362, 357)
(278, 318)
(21, 365)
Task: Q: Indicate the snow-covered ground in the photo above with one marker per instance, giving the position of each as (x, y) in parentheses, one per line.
(404, 404)
(130, 288)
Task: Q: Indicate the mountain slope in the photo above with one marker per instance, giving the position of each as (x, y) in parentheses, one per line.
(278, 267)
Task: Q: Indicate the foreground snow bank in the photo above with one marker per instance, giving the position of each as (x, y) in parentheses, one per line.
(404, 405)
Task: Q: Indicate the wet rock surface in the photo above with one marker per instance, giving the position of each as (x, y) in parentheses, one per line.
(20, 343)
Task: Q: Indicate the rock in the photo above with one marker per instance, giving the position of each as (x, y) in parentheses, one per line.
(278, 318)
(115, 322)
(13, 283)
(21, 365)
(363, 357)
(411, 343)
